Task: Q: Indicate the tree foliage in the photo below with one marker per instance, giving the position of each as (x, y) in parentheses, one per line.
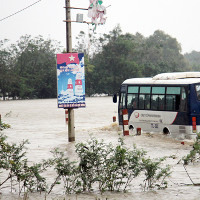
(28, 68)
(127, 56)
(193, 60)
(162, 54)
(4, 68)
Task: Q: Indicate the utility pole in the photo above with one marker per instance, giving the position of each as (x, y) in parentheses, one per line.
(71, 128)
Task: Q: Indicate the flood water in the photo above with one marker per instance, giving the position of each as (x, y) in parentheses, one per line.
(43, 125)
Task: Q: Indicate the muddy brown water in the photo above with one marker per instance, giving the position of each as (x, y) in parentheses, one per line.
(43, 125)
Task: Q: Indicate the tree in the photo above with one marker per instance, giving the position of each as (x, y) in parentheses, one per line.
(36, 67)
(193, 60)
(114, 64)
(162, 53)
(120, 56)
(28, 68)
(89, 44)
(90, 77)
(5, 68)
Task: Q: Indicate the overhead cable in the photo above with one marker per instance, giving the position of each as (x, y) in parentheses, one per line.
(19, 11)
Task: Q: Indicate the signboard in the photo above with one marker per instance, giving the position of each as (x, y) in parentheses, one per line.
(71, 80)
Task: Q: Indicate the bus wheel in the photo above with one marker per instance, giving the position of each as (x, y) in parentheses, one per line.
(166, 131)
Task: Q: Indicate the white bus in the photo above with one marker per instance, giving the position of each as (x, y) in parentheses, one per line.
(168, 103)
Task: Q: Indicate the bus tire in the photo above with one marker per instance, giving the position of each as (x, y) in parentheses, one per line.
(166, 131)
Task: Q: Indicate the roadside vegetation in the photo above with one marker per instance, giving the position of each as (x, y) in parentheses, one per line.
(194, 155)
(192, 158)
(98, 166)
(4, 126)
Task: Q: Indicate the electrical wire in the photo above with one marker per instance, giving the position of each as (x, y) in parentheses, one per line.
(19, 11)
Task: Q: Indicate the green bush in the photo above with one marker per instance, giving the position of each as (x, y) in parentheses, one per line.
(194, 155)
(114, 168)
(14, 163)
(99, 166)
(4, 126)
(154, 173)
(67, 171)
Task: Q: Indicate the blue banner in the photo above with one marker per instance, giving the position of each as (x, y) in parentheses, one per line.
(71, 80)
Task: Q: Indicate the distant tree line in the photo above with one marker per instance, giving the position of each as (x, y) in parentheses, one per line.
(115, 57)
(28, 68)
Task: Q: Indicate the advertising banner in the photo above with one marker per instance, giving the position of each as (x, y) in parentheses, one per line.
(70, 80)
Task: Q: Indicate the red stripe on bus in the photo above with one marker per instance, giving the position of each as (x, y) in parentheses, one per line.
(174, 118)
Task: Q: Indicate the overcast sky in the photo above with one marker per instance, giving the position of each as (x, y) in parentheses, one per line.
(178, 18)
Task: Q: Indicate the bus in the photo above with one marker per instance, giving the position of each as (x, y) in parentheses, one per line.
(167, 103)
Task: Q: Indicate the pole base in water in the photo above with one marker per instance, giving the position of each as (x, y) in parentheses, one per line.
(71, 139)
(71, 128)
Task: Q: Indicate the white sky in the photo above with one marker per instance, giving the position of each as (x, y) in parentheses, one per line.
(178, 18)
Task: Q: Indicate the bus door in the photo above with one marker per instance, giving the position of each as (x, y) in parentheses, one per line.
(122, 103)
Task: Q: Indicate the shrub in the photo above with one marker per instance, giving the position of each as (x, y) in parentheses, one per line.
(14, 163)
(4, 126)
(154, 173)
(194, 155)
(114, 168)
(99, 165)
(67, 171)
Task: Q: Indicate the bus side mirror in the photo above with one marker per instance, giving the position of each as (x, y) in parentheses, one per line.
(115, 98)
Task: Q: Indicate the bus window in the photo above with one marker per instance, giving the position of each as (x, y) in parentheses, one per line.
(132, 97)
(133, 89)
(154, 103)
(173, 95)
(158, 90)
(147, 101)
(161, 102)
(157, 102)
(173, 90)
(144, 101)
(158, 98)
(132, 101)
(170, 102)
(145, 90)
(197, 87)
(141, 101)
(144, 97)
(122, 103)
(183, 100)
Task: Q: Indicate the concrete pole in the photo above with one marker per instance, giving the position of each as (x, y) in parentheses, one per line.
(68, 27)
(71, 128)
